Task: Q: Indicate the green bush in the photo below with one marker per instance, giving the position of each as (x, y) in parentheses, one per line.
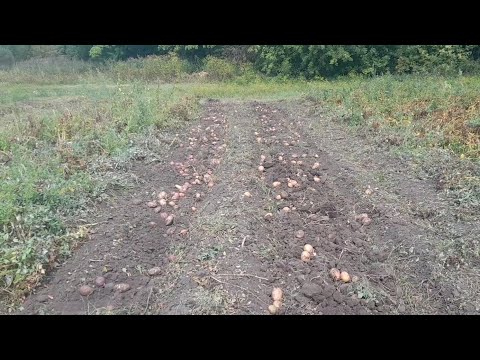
(167, 67)
(219, 69)
(6, 58)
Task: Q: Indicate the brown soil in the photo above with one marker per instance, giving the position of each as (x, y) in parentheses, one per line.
(230, 257)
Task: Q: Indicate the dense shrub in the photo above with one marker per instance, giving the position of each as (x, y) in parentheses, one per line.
(6, 58)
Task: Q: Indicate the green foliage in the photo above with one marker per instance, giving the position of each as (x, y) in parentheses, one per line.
(6, 58)
(219, 69)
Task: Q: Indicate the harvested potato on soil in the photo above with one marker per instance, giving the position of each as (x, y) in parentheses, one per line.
(305, 256)
(169, 220)
(162, 195)
(268, 216)
(261, 168)
(247, 194)
(335, 274)
(277, 304)
(122, 287)
(85, 290)
(152, 204)
(276, 183)
(369, 191)
(272, 309)
(315, 166)
(300, 234)
(345, 277)
(277, 294)
(100, 281)
(154, 271)
(308, 248)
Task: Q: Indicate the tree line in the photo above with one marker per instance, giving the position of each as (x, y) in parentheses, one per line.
(290, 61)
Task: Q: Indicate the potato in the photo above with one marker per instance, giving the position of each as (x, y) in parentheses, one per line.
(169, 220)
(272, 309)
(85, 290)
(316, 179)
(268, 216)
(278, 197)
(247, 194)
(308, 248)
(315, 166)
(122, 287)
(183, 232)
(162, 202)
(305, 256)
(345, 277)
(163, 215)
(300, 234)
(152, 204)
(100, 281)
(154, 271)
(277, 304)
(162, 195)
(261, 168)
(276, 183)
(277, 294)
(335, 274)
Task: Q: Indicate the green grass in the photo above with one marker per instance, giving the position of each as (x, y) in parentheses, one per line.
(54, 131)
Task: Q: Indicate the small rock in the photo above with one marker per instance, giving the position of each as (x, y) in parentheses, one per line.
(137, 202)
(154, 271)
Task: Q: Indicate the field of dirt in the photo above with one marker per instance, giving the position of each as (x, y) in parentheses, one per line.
(223, 254)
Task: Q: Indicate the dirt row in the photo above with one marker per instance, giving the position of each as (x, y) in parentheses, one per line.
(246, 188)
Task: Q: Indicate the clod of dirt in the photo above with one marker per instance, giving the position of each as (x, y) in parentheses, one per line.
(137, 201)
(172, 258)
(183, 232)
(315, 166)
(194, 208)
(300, 234)
(171, 231)
(284, 194)
(100, 281)
(369, 191)
(163, 215)
(152, 223)
(169, 220)
(316, 179)
(122, 287)
(42, 298)
(247, 194)
(311, 290)
(85, 290)
(154, 271)
(152, 204)
(355, 278)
